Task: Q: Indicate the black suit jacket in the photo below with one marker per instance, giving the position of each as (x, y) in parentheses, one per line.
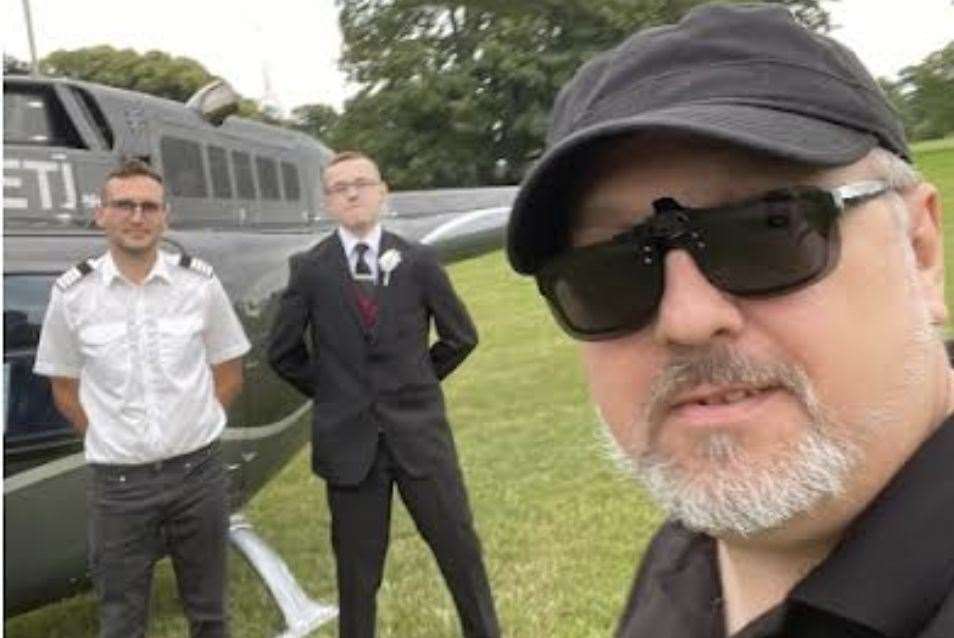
(386, 380)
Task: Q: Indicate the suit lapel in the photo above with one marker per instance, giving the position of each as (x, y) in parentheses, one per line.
(338, 263)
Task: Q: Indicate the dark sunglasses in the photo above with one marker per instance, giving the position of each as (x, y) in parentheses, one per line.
(768, 245)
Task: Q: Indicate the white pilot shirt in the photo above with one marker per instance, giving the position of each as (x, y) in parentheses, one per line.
(143, 355)
(373, 239)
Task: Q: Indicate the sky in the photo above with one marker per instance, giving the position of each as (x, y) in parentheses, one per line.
(295, 44)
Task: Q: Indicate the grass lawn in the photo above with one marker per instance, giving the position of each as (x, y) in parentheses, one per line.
(927, 146)
(562, 532)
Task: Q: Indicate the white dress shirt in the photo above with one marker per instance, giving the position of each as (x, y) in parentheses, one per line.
(373, 240)
(142, 354)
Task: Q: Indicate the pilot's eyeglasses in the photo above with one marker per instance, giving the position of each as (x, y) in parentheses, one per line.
(128, 207)
(341, 188)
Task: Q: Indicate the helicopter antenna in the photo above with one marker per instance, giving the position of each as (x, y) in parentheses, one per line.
(269, 98)
(34, 65)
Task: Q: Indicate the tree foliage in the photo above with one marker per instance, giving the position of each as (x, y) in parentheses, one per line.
(924, 95)
(318, 120)
(14, 66)
(459, 93)
(154, 72)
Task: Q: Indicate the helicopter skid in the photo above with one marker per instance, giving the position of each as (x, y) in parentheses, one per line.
(302, 614)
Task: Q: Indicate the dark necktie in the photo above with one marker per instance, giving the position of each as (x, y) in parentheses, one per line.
(361, 269)
(362, 272)
(364, 282)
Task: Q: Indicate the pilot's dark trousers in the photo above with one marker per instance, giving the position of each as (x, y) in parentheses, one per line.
(140, 512)
(360, 521)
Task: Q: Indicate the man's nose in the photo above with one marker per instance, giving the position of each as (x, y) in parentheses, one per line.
(692, 311)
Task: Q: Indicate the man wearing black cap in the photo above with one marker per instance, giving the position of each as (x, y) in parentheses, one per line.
(727, 219)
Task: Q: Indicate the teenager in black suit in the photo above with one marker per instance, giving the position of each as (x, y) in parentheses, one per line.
(367, 297)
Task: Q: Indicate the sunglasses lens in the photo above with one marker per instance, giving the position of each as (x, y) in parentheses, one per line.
(602, 291)
(768, 246)
(781, 241)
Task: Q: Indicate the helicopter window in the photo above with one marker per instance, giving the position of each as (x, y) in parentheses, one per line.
(33, 114)
(290, 182)
(184, 168)
(28, 400)
(219, 168)
(96, 115)
(244, 180)
(267, 177)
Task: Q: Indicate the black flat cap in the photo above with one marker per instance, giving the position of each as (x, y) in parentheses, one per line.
(746, 74)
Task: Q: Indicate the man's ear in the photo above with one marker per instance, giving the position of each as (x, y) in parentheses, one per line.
(927, 241)
(98, 216)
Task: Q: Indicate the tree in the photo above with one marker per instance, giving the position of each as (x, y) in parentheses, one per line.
(154, 72)
(14, 66)
(896, 96)
(453, 91)
(808, 12)
(318, 120)
(924, 93)
(255, 110)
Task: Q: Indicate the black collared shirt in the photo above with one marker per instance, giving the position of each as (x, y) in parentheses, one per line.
(891, 576)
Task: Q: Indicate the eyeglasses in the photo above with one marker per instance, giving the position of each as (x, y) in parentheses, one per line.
(768, 245)
(128, 207)
(341, 188)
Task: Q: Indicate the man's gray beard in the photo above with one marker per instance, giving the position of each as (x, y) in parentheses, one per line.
(735, 491)
(739, 494)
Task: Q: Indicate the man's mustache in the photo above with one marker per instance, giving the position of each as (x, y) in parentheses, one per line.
(719, 365)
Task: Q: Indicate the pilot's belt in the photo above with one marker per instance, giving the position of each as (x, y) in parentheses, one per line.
(183, 461)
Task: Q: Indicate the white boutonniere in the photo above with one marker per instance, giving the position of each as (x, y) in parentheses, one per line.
(388, 262)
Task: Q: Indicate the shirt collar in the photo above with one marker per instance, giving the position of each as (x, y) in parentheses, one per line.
(110, 273)
(895, 564)
(349, 239)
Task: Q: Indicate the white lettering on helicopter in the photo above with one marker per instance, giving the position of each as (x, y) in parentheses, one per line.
(91, 200)
(44, 186)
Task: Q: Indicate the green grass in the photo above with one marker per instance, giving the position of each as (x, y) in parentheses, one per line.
(944, 143)
(562, 532)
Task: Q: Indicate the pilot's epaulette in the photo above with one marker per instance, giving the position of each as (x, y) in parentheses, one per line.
(74, 274)
(196, 264)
